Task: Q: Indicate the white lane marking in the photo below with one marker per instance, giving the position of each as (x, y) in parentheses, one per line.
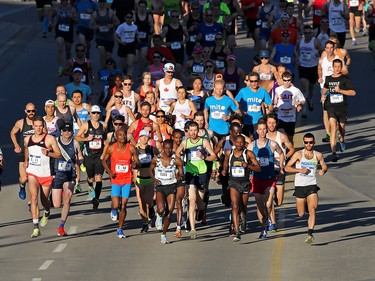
(46, 264)
(60, 248)
(72, 230)
(36, 279)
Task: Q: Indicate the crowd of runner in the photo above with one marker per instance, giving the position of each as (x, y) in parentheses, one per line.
(175, 112)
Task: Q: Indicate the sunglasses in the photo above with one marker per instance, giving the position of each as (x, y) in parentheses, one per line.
(264, 58)
(186, 131)
(127, 84)
(170, 72)
(129, 17)
(206, 51)
(30, 110)
(156, 57)
(252, 81)
(284, 20)
(66, 130)
(174, 17)
(307, 33)
(218, 39)
(118, 97)
(160, 116)
(209, 66)
(95, 112)
(79, 51)
(308, 142)
(118, 124)
(287, 80)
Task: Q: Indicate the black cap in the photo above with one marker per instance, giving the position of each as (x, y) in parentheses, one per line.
(67, 126)
(109, 61)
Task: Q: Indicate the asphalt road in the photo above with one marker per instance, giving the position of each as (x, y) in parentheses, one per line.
(344, 236)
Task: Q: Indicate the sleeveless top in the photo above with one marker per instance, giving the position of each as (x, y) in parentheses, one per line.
(83, 115)
(139, 128)
(94, 148)
(167, 93)
(64, 20)
(285, 55)
(142, 93)
(156, 73)
(197, 68)
(121, 165)
(104, 33)
(129, 101)
(232, 80)
(327, 69)
(66, 164)
(265, 75)
(122, 112)
(27, 130)
(197, 100)
(193, 34)
(166, 175)
(194, 164)
(264, 17)
(164, 132)
(175, 36)
(336, 21)
(309, 178)
(266, 161)
(143, 28)
(237, 172)
(145, 156)
(39, 164)
(218, 57)
(276, 155)
(66, 117)
(181, 109)
(308, 53)
(85, 71)
(208, 84)
(51, 126)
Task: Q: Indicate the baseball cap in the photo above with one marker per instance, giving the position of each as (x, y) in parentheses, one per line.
(144, 133)
(264, 54)
(115, 112)
(169, 67)
(231, 57)
(284, 15)
(218, 76)
(109, 61)
(49, 102)
(95, 108)
(77, 69)
(67, 126)
(198, 50)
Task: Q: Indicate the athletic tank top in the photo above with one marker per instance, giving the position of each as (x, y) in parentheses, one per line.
(84, 115)
(167, 93)
(208, 84)
(232, 81)
(327, 70)
(193, 34)
(277, 155)
(236, 171)
(143, 27)
(129, 101)
(140, 127)
(181, 109)
(197, 68)
(27, 130)
(121, 165)
(266, 161)
(175, 37)
(122, 112)
(66, 163)
(197, 100)
(94, 148)
(336, 21)
(265, 75)
(309, 178)
(194, 164)
(166, 175)
(308, 53)
(145, 156)
(264, 17)
(156, 73)
(51, 126)
(218, 57)
(142, 93)
(285, 55)
(104, 32)
(67, 117)
(64, 19)
(164, 132)
(39, 164)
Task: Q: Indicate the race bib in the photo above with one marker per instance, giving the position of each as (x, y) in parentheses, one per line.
(63, 27)
(176, 45)
(103, 28)
(263, 161)
(198, 69)
(144, 158)
(142, 35)
(231, 86)
(84, 16)
(336, 21)
(35, 160)
(129, 36)
(194, 156)
(83, 78)
(64, 166)
(286, 60)
(286, 112)
(353, 3)
(193, 38)
(95, 144)
(317, 13)
(121, 168)
(217, 115)
(305, 57)
(265, 24)
(164, 174)
(210, 37)
(220, 64)
(208, 85)
(253, 108)
(238, 172)
(258, 22)
(336, 98)
(265, 77)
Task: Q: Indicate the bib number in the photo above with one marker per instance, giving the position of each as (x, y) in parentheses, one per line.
(253, 108)
(84, 16)
(63, 27)
(176, 45)
(103, 28)
(121, 168)
(263, 162)
(142, 35)
(164, 174)
(336, 98)
(286, 60)
(231, 86)
(95, 144)
(64, 166)
(220, 64)
(35, 160)
(217, 115)
(210, 37)
(238, 172)
(144, 158)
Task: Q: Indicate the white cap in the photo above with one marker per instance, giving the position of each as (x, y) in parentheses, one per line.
(95, 108)
(77, 69)
(144, 133)
(169, 67)
(49, 102)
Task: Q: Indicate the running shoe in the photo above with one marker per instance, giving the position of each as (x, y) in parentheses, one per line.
(310, 105)
(193, 234)
(272, 227)
(83, 168)
(354, 42)
(237, 237)
(334, 157)
(159, 222)
(326, 138)
(91, 191)
(77, 188)
(95, 203)
(149, 223)
(364, 32)
(263, 233)
(177, 234)
(120, 233)
(243, 223)
(164, 239)
(36, 233)
(44, 220)
(114, 215)
(61, 231)
(22, 193)
(232, 232)
(342, 146)
(144, 228)
(309, 239)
